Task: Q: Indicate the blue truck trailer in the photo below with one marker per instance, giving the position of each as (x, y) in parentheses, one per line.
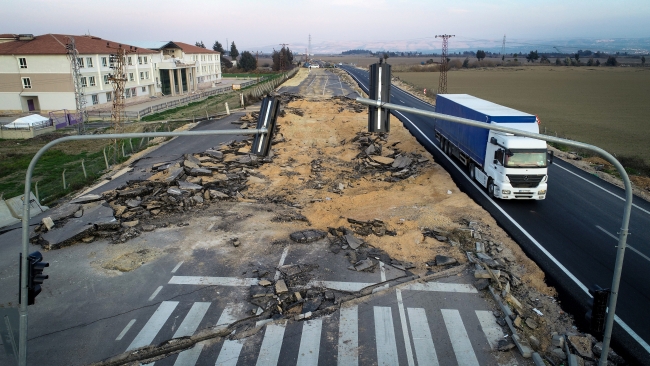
(508, 166)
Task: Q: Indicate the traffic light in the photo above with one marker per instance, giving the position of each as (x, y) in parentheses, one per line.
(379, 118)
(35, 275)
(268, 116)
(596, 316)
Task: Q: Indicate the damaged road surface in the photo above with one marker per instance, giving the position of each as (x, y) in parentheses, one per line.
(342, 247)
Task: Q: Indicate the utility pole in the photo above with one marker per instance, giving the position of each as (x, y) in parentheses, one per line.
(442, 85)
(80, 95)
(309, 48)
(118, 78)
(503, 49)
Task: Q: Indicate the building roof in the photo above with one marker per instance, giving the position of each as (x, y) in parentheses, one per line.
(189, 48)
(54, 44)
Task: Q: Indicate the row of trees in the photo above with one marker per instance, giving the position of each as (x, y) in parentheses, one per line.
(282, 59)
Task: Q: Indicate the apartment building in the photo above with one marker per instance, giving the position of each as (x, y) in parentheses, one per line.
(35, 72)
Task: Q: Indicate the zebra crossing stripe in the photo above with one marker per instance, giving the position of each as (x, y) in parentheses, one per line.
(192, 319)
(405, 331)
(442, 287)
(189, 356)
(271, 344)
(490, 328)
(310, 342)
(459, 339)
(229, 354)
(385, 336)
(153, 326)
(212, 281)
(425, 352)
(348, 349)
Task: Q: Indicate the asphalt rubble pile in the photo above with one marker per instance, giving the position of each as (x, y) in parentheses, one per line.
(536, 324)
(220, 173)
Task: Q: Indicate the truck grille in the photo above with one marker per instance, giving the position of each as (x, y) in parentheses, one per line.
(525, 181)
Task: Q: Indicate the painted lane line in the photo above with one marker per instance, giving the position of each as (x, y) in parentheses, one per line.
(229, 354)
(459, 339)
(310, 342)
(228, 315)
(626, 245)
(126, 329)
(271, 345)
(405, 330)
(341, 286)
(192, 320)
(153, 326)
(348, 349)
(602, 188)
(155, 293)
(177, 266)
(282, 258)
(491, 329)
(443, 287)
(190, 356)
(422, 340)
(212, 281)
(619, 321)
(385, 336)
(382, 271)
(325, 86)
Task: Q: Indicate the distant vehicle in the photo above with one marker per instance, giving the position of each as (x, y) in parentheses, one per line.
(314, 66)
(510, 167)
(340, 64)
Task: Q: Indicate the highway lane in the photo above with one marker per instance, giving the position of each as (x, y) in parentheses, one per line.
(571, 235)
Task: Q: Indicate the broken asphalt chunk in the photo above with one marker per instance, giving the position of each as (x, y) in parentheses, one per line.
(187, 186)
(442, 260)
(352, 241)
(281, 287)
(307, 236)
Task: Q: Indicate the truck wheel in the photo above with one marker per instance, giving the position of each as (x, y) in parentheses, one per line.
(490, 188)
(470, 169)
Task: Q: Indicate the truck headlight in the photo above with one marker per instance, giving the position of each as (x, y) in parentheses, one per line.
(541, 191)
(505, 191)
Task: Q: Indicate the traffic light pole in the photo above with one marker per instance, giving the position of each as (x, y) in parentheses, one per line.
(22, 350)
(622, 239)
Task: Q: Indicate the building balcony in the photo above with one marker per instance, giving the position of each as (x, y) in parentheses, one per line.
(172, 64)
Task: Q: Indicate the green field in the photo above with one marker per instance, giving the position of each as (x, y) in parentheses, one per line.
(606, 107)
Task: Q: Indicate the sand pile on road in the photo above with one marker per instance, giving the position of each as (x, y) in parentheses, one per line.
(322, 135)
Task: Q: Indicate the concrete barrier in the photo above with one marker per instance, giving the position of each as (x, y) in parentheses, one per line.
(15, 206)
(6, 218)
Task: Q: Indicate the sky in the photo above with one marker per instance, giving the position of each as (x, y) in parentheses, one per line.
(333, 24)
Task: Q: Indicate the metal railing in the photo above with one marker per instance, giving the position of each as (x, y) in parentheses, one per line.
(622, 239)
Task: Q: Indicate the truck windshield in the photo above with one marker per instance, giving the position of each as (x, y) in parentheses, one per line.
(526, 159)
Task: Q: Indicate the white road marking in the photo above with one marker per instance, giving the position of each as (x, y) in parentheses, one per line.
(341, 286)
(271, 345)
(603, 188)
(192, 319)
(229, 354)
(126, 329)
(310, 342)
(405, 330)
(422, 340)
(382, 270)
(490, 328)
(325, 86)
(155, 293)
(282, 258)
(626, 244)
(385, 336)
(348, 349)
(459, 338)
(177, 266)
(212, 281)
(443, 287)
(228, 315)
(189, 356)
(153, 326)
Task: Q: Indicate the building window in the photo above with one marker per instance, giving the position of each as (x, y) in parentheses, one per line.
(127, 93)
(27, 83)
(84, 81)
(131, 78)
(109, 96)
(91, 79)
(89, 61)
(146, 75)
(130, 61)
(139, 60)
(95, 99)
(106, 79)
(145, 60)
(144, 89)
(104, 62)
(23, 62)
(80, 61)
(157, 81)
(133, 92)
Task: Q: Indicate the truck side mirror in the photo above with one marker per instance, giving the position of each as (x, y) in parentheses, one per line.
(549, 158)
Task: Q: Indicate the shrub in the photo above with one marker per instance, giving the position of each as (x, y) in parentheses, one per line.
(611, 61)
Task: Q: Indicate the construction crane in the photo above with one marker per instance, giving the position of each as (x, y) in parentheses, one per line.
(79, 93)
